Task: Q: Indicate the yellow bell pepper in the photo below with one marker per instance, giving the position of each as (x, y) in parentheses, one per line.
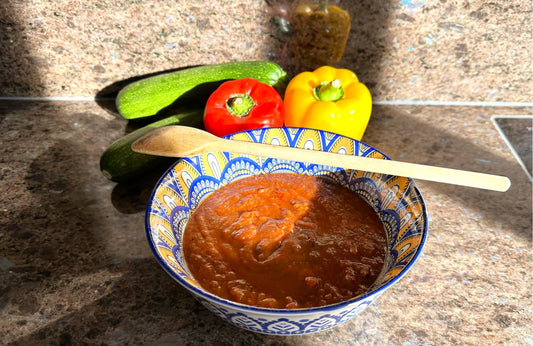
(328, 99)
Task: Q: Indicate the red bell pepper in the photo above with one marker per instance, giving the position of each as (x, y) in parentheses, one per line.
(243, 104)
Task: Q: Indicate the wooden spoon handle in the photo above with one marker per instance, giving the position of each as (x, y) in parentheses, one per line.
(181, 141)
(405, 169)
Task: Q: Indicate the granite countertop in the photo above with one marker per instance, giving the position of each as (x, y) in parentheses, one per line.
(76, 267)
(450, 88)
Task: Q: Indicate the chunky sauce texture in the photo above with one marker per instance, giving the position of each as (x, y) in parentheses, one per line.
(284, 241)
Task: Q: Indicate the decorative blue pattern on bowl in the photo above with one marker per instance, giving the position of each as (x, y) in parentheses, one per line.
(397, 201)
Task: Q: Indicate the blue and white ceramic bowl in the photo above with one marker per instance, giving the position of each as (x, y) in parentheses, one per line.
(397, 201)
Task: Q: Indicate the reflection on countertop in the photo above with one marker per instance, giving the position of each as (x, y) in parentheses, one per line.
(76, 269)
(517, 132)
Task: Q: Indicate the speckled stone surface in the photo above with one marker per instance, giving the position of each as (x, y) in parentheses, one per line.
(75, 267)
(445, 50)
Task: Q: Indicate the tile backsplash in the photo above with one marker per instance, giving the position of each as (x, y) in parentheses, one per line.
(444, 50)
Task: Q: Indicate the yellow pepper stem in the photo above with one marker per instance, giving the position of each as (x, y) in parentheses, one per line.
(329, 91)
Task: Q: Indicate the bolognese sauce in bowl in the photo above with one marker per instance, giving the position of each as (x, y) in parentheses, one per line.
(285, 247)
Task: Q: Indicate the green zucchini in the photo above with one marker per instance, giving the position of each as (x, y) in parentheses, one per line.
(121, 164)
(156, 94)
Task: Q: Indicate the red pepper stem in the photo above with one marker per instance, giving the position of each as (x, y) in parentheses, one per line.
(329, 91)
(240, 104)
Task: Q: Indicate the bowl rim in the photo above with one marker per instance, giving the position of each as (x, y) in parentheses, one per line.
(299, 311)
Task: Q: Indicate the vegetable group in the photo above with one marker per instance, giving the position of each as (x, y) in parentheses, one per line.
(328, 99)
(186, 91)
(152, 95)
(235, 97)
(242, 105)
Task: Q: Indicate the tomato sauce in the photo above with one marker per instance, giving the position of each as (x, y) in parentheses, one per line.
(284, 241)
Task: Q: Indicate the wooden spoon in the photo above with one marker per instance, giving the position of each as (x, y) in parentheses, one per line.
(183, 141)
